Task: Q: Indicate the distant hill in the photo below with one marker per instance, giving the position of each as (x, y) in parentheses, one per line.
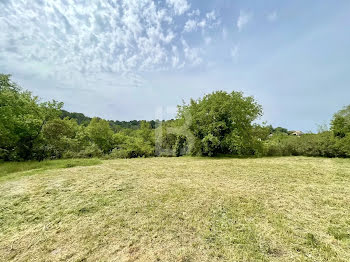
(115, 124)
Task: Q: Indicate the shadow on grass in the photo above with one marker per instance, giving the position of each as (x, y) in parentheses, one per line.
(11, 168)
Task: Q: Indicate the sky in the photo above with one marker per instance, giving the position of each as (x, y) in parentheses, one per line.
(138, 59)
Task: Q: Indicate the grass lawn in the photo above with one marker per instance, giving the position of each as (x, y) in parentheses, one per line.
(177, 209)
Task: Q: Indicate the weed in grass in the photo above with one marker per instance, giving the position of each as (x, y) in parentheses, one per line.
(311, 240)
(339, 232)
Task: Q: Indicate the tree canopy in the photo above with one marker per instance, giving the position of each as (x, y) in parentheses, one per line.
(221, 122)
(22, 118)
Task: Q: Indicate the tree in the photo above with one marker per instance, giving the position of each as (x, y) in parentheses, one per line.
(79, 117)
(146, 133)
(101, 134)
(280, 130)
(340, 124)
(261, 132)
(22, 117)
(60, 136)
(221, 122)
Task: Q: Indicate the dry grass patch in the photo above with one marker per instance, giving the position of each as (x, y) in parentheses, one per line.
(180, 209)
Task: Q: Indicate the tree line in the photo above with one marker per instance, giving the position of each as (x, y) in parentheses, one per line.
(220, 123)
(115, 124)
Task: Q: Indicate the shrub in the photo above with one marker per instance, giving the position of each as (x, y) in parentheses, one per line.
(91, 150)
(131, 147)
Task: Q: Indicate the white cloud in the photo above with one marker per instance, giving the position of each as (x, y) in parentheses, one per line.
(243, 19)
(175, 59)
(180, 6)
(209, 21)
(272, 16)
(125, 37)
(191, 25)
(212, 19)
(194, 13)
(202, 23)
(211, 15)
(192, 55)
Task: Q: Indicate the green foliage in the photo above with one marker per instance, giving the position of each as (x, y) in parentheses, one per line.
(115, 125)
(146, 133)
(134, 124)
(261, 132)
(139, 144)
(280, 130)
(210, 145)
(340, 124)
(91, 150)
(181, 146)
(221, 122)
(132, 147)
(323, 144)
(22, 117)
(172, 138)
(101, 134)
(79, 117)
(60, 136)
(334, 143)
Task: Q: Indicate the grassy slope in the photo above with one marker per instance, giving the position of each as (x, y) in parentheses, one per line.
(180, 209)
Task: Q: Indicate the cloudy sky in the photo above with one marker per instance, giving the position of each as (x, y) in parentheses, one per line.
(132, 59)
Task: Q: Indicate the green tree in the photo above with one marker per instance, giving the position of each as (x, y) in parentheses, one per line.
(60, 136)
(261, 132)
(340, 124)
(101, 134)
(221, 122)
(131, 146)
(146, 133)
(22, 117)
(280, 130)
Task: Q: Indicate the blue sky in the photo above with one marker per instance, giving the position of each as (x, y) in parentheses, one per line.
(133, 59)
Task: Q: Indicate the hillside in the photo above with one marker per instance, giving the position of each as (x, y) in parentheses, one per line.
(114, 124)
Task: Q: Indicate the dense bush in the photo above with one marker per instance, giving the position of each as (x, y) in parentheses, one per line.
(132, 146)
(324, 144)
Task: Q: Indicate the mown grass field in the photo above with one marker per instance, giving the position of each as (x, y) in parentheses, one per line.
(177, 209)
